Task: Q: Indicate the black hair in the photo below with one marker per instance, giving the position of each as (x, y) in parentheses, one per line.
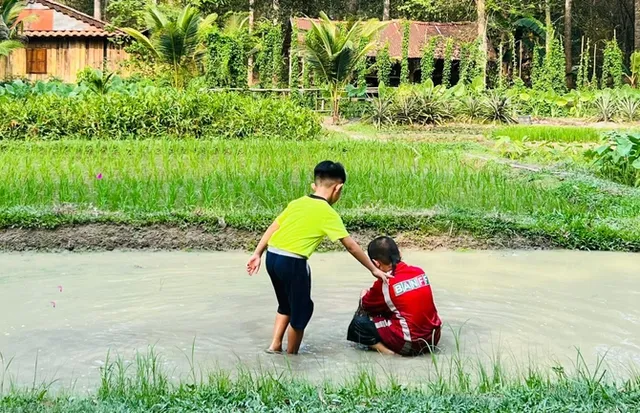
(330, 170)
(386, 251)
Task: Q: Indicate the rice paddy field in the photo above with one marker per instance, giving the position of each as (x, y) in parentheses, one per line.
(449, 181)
(392, 186)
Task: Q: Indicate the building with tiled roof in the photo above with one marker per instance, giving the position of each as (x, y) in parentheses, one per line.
(419, 35)
(61, 41)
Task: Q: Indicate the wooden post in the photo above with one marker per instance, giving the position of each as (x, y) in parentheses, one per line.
(520, 70)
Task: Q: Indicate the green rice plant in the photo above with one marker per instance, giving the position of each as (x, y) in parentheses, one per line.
(545, 133)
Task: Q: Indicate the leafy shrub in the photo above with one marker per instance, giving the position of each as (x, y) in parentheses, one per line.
(499, 108)
(381, 112)
(628, 107)
(471, 107)
(606, 107)
(155, 112)
(618, 159)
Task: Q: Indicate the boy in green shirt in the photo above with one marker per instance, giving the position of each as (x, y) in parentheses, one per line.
(290, 241)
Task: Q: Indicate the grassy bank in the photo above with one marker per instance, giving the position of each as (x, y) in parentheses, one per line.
(145, 387)
(428, 187)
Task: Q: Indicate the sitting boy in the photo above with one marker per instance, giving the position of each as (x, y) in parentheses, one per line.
(397, 317)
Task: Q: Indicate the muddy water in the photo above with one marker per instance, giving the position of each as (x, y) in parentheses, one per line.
(68, 310)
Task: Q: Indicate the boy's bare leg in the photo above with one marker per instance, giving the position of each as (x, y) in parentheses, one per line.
(382, 349)
(280, 326)
(294, 340)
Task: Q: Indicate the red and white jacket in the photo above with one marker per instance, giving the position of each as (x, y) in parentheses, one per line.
(403, 311)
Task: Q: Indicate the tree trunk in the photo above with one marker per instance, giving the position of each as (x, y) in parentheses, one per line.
(567, 43)
(386, 10)
(637, 26)
(482, 35)
(276, 10)
(250, 61)
(549, 36)
(352, 8)
(97, 9)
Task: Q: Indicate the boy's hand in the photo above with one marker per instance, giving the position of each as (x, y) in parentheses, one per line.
(253, 266)
(383, 276)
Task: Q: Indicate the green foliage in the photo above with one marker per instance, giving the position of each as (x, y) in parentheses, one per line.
(634, 68)
(499, 108)
(227, 58)
(334, 51)
(294, 64)
(548, 73)
(628, 107)
(514, 57)
(618, 158)
(98, 81)
(269, 61)
(606, 107)
(537, 69)
(127, 13)
(582, 81)
(448, 61)
(362, 69)
(152, 112)
(612, 66)
(381, 112)
(404, 63)
(176, 43)
(384, 65)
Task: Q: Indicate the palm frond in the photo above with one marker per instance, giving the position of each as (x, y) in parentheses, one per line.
(142, 39)
(156, 20)
(8, 46)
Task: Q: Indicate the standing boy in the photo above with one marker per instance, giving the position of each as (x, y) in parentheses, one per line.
(290, 241)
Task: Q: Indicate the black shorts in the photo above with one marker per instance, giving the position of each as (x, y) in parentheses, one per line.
(363, 331)
(291, 279)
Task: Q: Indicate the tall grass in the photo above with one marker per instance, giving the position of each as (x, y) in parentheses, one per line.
(544, 133)
(142, 385)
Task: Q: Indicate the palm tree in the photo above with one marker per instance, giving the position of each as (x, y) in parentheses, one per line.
(333, 52)
(177, 43)
(386, 9)
(10, 26)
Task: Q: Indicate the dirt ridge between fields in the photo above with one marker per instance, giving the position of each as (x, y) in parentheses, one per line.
(107, 237)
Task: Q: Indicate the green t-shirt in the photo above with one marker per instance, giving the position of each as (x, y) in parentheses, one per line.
(304, 224)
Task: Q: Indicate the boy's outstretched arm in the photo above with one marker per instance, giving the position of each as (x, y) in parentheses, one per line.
(354, 249)
(253, 266)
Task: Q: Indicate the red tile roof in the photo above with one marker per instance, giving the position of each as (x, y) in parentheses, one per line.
(419, 35)
(44, 25)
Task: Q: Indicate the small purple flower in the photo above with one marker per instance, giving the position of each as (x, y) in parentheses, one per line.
(99, 176)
